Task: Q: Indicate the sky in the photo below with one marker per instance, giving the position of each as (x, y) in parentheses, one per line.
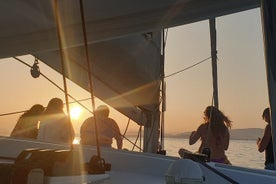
(242, 85)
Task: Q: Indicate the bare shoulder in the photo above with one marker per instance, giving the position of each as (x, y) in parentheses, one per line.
(268, 129)
(203, 127)
(111, 122)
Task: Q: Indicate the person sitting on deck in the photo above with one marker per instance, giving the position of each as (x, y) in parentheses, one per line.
(107, 129)
(214, 134)
(26, 126)
(55, 126)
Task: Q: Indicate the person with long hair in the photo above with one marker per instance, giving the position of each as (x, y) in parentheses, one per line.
(27, 124)
(214, 134)
(55, 126)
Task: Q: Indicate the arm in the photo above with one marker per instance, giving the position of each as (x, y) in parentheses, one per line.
(117, 135)
(263, 142)
(227, 140)
(18, 129)
(72, 132)
(195, 135)
(82, 136)
(67, 133)
(85, 132)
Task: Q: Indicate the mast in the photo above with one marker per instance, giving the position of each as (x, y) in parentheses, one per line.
(268, 9)
(153, 123)
(213, 38)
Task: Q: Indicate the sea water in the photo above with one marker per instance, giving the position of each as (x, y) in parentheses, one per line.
(242, 153)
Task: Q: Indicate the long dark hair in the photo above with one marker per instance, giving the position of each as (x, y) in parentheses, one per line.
(34, 110)
(55, 105)
(218, 121)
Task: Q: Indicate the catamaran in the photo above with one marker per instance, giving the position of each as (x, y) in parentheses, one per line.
(92, 35)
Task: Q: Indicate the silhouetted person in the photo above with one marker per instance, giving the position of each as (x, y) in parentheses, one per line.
(26, 126)
(214, 134)
(55, 125)
(107, 129)
(265, 143)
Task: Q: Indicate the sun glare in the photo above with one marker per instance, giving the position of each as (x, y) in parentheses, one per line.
(75, 112)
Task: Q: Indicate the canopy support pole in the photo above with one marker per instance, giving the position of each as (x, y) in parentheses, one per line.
(268, 9)
(213, 38)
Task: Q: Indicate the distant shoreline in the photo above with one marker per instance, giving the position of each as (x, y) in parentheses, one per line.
(235, 134)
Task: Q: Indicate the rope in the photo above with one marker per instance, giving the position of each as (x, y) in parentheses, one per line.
(215, 171)
(89, 75)
(198, 158)
(62, 59)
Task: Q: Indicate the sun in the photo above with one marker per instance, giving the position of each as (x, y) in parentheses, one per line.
(75, 112)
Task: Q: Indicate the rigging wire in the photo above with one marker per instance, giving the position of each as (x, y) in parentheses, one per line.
(138, 135)
(51, 81)
(11, 113)
(75, 101)
(126, 127)
(18, 112)
(123, 135)
(188, 67)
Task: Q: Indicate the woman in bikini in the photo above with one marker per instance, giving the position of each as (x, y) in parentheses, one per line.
(214, 134)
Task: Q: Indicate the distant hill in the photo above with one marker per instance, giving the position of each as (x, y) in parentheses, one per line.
(235, 134)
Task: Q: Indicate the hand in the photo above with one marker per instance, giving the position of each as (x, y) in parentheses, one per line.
(258, 140)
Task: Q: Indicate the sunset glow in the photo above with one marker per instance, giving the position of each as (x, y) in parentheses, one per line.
(75, 112)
